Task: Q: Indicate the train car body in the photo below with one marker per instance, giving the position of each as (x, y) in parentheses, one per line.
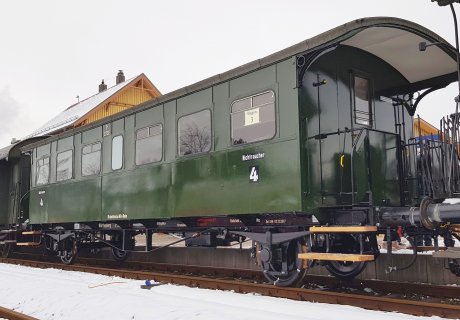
(317, 134)
(215, 181)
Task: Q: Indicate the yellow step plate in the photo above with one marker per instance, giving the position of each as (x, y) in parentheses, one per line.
(343, 229)
(336, 256)
(26, 244)
(31, 232)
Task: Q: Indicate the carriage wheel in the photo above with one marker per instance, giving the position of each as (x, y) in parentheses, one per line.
(272, 263)
(70, 250)
(345, 270)
(118, 254)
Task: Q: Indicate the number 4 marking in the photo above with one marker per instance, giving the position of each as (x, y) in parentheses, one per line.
(254, 174)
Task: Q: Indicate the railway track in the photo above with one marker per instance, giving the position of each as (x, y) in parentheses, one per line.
(394, 296)
(13, 315)
(408, 290)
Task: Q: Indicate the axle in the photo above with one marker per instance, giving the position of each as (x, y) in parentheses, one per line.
(429, 215)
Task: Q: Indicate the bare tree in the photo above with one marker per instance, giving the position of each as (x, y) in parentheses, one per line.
(194, 139)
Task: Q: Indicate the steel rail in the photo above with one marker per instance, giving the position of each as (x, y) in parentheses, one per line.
(13, 315)
(393, 287)
(378, 286)
(368, 302)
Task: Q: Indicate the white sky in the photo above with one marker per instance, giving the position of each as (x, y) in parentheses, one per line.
(52, 51)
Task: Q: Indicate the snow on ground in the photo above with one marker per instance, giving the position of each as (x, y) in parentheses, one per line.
(452, 201)
(57, 294)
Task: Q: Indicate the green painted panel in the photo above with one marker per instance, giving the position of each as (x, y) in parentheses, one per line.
(220, 183)
(91, 135)
(221, 117)
(53, 163)
(253, 82)
(118, 126)
(65, 144)
(129, 139)
(77, 155)
(43, 151)
(73, 201)
(194, 102)
(139, 194)
(384, 169)
(149, 117)
(287, 99)
(169, 131)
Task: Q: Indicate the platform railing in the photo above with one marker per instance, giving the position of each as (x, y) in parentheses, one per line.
(437, 160)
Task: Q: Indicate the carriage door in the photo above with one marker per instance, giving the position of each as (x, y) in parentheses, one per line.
(19, 189)
(329, 178)
(14, 193)
(362, 121)
(376, 153)
(24, 188)
(4, 191)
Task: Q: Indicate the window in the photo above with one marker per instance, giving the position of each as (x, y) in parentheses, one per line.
(43, 171)
(194, 133)
(117, 152)
(149, 144)
(362, 101)
(253, 118)
(91, 159)
(64, 167)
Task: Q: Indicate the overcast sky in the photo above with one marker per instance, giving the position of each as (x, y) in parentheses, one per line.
(52, 51)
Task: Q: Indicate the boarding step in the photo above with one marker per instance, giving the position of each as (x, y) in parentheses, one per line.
(450, 253)
(336, 256)
(7, 241)
(32, 233)
(27, 244)
(343, 229)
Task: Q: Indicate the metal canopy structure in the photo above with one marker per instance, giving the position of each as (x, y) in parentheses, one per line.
(394, 40)
(400, 49)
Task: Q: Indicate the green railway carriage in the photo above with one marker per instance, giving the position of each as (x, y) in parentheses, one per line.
(183, 179)
(317, 134)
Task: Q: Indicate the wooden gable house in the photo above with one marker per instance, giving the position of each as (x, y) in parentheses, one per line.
(123, 95)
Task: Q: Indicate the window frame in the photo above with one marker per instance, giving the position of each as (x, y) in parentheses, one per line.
(251, 96)
(57, 163)
(149, 127)
(122, 153)
(38, 170)
(370, 92)
(100, 158)
(211, 144)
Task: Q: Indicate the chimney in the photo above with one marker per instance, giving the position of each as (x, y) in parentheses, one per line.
(120, 77)
(102, 86)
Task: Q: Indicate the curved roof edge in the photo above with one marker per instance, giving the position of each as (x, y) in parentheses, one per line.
(336, 35)
(330, 37)
(14, 150)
